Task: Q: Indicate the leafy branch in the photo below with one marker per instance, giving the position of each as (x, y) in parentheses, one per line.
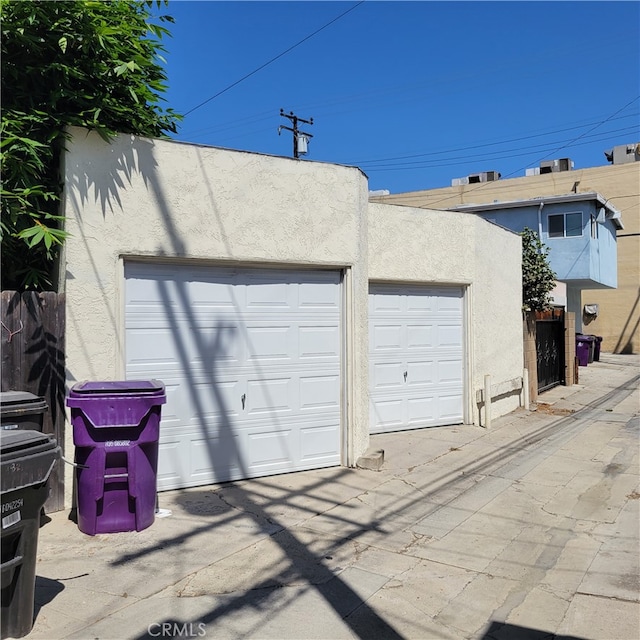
(87, 63)
(538, 278)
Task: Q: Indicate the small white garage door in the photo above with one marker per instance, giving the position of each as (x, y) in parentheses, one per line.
(251, 363)
(415, 357)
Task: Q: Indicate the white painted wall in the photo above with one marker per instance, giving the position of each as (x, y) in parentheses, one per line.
(422, 245)
(497, 321)
(142, 197)
(559, 295)
(138, 197)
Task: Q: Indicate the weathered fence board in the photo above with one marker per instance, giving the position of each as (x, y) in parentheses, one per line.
(33, 330)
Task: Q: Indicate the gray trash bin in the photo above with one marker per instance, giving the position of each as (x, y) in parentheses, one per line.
(26, 461)
(21, 410)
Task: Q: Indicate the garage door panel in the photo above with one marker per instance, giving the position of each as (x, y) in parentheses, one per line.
(450, 371)
(319, 341)
(386, 337)
(316, 444)
(171, 410)
(155, 348)
(207, 295)
(251, 364)
(213, 459)
(147, 288)
(315, 296)
(210, 400)
(388, 412)
(421, 409)
(387, 375)
(172, 288)
(169, 450)
(415, 330)
(214, 343)
(421, 373)
(270, 396)
(419, 302)
(319, 392)
(268, 295)
(449, 335)
(271, 448)
(207, 452)
(420, 336)
(449, 302)
(270, 343)
(168, 347)
(383, 301)
(450, 406)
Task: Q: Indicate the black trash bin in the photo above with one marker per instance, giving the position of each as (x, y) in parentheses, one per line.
(21, 410)
(596, 348)
(26, 460)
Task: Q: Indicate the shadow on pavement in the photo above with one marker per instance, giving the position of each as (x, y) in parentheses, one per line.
(506, 631)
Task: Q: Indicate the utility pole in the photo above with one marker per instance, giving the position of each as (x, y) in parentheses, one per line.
(300, 138)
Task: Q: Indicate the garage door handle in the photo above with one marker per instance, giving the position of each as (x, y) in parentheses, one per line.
(405, 376)
(243, 398)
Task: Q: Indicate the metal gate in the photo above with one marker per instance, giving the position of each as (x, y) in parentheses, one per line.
(550, 348)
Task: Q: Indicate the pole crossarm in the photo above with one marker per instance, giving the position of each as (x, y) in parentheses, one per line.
(297, 134)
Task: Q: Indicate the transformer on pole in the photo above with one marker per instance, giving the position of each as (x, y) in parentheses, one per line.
(300, 138)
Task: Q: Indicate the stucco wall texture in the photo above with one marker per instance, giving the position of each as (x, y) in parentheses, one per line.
(166, 200)
(422, 245)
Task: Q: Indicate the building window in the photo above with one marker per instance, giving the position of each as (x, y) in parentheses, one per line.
(594, 228)
(565, 225)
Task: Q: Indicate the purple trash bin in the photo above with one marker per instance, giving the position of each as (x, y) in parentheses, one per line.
(116, 427)
(590, 342)
(582, 351)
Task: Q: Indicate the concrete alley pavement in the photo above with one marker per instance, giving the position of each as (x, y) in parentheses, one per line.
(527, 530)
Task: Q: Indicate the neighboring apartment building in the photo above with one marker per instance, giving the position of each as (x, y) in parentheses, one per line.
(579, 230)
(613, 314)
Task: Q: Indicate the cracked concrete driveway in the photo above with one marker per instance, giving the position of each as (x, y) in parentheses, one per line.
(529, 530)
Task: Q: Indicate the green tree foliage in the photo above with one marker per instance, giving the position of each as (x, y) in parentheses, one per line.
(94, 64)
(538, 279)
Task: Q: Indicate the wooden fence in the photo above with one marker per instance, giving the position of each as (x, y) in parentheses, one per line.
(33, 360)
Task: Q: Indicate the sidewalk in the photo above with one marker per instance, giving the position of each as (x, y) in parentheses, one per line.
(528, 530)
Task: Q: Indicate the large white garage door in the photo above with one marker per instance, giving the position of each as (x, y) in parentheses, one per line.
(415, 357)
(251, 364)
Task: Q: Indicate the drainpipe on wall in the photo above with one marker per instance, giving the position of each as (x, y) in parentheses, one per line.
(540, 220)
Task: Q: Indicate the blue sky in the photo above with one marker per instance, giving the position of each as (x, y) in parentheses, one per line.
(414, 93)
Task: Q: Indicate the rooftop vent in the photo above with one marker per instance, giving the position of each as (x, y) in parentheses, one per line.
(624, 153)
(551, 166)
(475, 178)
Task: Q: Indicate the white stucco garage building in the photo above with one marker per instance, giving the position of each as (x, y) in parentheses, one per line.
(287, 316)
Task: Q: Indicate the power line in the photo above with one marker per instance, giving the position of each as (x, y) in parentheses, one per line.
(481, 146)
(266, 64)
(486, 157)
(582, 135)
(376, 164)
(487, 185)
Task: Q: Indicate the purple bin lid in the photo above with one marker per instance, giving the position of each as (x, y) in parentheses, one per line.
(117, 386)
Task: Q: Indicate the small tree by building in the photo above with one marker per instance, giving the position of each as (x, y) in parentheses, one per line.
(538, 278)
(68, 63)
